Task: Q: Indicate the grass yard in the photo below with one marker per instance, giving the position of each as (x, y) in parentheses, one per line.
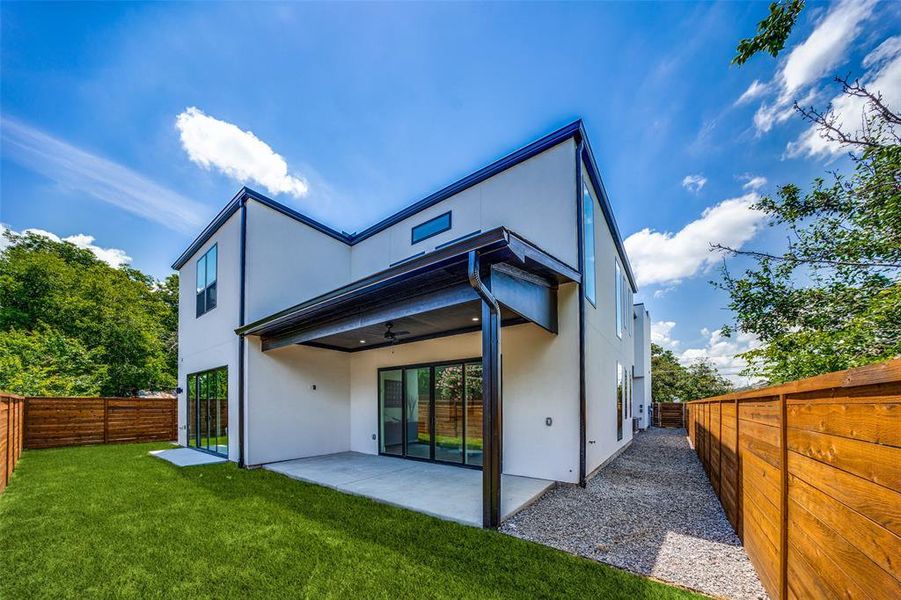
(112, 521)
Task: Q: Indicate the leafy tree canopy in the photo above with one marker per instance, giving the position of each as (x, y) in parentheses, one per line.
(672, 381)
(70, 324)
(831, 300)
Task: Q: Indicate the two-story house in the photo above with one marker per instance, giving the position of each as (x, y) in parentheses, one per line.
(488, 326)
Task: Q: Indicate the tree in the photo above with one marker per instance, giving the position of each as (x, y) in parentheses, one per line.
(103, 330)
(832, 299)
(672, 381)
(772, 32)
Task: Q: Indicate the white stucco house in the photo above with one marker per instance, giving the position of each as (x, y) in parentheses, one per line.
(489, 326)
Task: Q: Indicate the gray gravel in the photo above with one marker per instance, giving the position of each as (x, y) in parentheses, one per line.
(651, 511)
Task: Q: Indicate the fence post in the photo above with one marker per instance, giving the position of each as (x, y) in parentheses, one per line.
(783, 526)
(106, 420)
(739, 502)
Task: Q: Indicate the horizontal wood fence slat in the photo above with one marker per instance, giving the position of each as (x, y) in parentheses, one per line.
(12, 409)
(669, 414)
(53, 422)
(809, 475)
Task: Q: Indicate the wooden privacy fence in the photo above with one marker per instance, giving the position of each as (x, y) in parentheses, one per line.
(669, 414)
(809, 475)
(51, 422)
(12, 409)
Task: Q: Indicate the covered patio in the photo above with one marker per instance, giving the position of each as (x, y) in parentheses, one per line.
(479, 283)
(442, 491)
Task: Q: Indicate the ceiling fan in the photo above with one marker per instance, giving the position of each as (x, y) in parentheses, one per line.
(391, 336)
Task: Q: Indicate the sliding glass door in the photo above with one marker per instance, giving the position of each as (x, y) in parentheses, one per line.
(207, 417)
(432, 412)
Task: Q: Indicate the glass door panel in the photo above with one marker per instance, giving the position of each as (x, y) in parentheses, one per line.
(203, 400)
(473, 392)
(220, 410)
(418, 385)
(207, 404)
(449, 413)
(192, 411)
(391, 410)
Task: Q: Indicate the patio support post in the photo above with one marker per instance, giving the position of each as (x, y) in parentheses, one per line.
(491, 398)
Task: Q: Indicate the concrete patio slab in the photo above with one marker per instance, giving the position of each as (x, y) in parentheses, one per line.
(442, 491)
(186, 457)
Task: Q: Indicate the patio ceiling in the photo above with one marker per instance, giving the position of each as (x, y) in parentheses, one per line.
(428, 296)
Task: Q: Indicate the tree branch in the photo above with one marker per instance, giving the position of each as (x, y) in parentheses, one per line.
(811, 260)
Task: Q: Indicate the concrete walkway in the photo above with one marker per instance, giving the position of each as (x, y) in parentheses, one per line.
(443, 491)
(651, 511)
(186, 457)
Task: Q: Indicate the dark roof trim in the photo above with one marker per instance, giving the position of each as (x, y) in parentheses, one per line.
(494, 238)
(573, 130)
(485, 243)
(511, 160)
(232, 207)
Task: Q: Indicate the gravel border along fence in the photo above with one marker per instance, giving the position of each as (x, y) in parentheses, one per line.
(651, 511)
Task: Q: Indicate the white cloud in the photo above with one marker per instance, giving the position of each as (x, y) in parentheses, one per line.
(752, 182)
(755, 90)
(808, 62)
(826, 46)
(78, 170)
(722, 352)
(239, 154)
(663, 257)
(884, 77)
(661, 334)
(694, 183)
(114, 257)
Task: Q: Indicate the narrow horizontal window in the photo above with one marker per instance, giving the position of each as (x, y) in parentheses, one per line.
(423, 231)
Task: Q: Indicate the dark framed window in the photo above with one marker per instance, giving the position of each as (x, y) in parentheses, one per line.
(432, 412)
(620, 391)
(424, 231)
(618, 301)
(207, 418)
(589, 277)
(207, 280)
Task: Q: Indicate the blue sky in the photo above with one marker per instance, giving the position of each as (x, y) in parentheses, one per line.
(115, 117)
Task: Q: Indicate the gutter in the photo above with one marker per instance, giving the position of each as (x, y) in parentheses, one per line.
(241, 342)
(583, 405)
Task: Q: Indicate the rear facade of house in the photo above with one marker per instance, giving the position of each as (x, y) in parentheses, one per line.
(489, 326)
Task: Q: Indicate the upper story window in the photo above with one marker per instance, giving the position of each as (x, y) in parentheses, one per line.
(423, 231)
(589, 275)
(618, 299)
(206, 281)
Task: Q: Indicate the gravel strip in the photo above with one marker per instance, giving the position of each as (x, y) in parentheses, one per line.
(651, 511)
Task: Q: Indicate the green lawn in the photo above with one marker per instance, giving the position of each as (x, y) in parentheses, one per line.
(111, 521)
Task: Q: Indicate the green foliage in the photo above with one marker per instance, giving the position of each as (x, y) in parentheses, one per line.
(671, 380)
(832, 299)
(772, 32)
(47, 363)
(102, 330)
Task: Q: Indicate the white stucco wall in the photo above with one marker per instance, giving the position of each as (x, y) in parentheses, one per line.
(540, 379)
(535, 199)
(286, 417)
(603, 349)
(288, 262)
(209, 341)
(642, 400)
